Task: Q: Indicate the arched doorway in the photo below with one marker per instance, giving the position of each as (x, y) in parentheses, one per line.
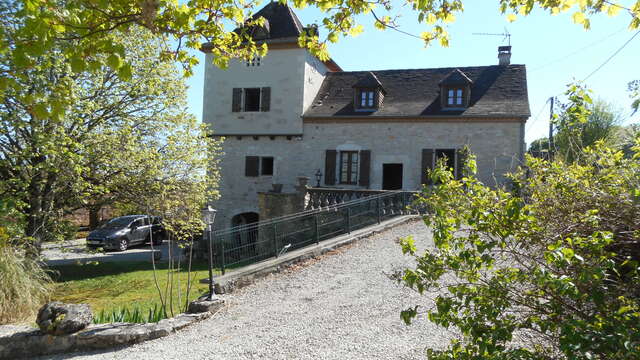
(245, 218)
(247, 236)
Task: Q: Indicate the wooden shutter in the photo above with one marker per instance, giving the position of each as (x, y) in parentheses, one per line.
(251, 165)
(461, 157)
(330, 167)
(365, 167)
(427, 164)
(236, 102)
(265, 99)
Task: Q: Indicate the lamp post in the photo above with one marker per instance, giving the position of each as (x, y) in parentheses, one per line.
(318, 177)
(208, 216)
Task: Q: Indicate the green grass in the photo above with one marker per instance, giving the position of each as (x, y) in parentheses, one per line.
(112, 286)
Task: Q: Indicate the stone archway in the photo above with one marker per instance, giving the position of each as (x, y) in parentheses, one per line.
(246, 237)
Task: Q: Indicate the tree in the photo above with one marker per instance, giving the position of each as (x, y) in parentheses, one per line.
(88, 23)
(93, 139)
(602, 122)
(545, 271)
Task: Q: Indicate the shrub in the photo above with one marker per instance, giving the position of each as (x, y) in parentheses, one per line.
(25, 285)
(548, 270)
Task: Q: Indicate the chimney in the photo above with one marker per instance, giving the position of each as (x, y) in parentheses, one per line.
(504, 55)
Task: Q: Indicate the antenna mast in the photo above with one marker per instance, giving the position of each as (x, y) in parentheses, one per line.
(505, 35)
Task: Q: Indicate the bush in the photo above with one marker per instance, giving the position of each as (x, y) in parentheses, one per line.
(25, 285)
(548, 270)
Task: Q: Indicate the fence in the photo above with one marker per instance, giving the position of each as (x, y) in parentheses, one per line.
(247, 244)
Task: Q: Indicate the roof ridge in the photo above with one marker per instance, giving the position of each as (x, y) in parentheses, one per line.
(435, 68)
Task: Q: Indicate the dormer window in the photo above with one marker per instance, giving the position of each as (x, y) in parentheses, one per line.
(455, 90)
(455, 97)
(367, 99)
(368, 93)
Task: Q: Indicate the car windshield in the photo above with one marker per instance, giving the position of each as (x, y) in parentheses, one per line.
(117, 223)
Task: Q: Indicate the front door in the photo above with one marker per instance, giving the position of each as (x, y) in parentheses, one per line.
(391, 176)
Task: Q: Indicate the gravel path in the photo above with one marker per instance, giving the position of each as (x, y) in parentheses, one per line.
(342, 306)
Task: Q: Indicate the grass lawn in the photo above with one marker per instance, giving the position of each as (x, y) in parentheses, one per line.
(111, 286)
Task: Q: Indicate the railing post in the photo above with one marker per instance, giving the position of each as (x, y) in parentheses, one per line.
(379, 210)
(275, 240)
(348, 219)
(221, 256)
(316, 226)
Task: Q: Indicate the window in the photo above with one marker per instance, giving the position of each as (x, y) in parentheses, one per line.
(252, 99)
(349, 167)
(455, 97)
(266, 166)
(256, 166)
(449, 156)
(253, 62)
(366, 99)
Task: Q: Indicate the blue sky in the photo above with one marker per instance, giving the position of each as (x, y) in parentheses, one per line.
(555, 50)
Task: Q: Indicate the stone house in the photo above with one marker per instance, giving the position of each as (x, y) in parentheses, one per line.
(289, 115)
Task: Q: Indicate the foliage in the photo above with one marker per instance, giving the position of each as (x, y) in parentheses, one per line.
(89, 23)
(634, 94)
(602, 122)
(108, 141)
(131, 316)
(547, 270)
(539, 145)
(25, 285)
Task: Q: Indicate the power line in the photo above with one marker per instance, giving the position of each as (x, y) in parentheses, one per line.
(537, 115)
(612, 55)
(578, 50)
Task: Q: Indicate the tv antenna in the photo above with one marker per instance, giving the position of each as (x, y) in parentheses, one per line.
(505, 35)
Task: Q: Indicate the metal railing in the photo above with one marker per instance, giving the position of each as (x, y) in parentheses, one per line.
(247, 244)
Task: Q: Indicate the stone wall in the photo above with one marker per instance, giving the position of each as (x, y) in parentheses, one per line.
(497, 144)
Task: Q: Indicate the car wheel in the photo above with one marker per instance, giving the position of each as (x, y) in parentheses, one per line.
(123, 244)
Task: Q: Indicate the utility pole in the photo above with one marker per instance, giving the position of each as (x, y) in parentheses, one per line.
(551, 144)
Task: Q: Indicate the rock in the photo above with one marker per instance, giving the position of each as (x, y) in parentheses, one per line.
(57, 318)
(203, 305)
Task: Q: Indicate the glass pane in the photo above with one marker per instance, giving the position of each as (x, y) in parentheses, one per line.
(460, 101)
(371, 98)
(451, 93)
(450, 101)
(459, 93)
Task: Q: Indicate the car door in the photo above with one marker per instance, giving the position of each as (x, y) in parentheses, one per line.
(137, 231)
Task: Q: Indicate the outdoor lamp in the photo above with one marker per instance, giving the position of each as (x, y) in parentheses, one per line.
(318, 177)
(208, 216)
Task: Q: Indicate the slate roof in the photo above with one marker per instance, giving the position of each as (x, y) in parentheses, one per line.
(369, 80)
(283, 22)
(456, 77)
(496, 91)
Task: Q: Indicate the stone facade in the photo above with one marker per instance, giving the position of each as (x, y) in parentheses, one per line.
(497, 145)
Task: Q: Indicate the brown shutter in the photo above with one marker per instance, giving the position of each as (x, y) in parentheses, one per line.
(251, 166)
(427, 164)
(460, 160)
(365, 167)
(330, 167)
(265, 99)
(236, 102)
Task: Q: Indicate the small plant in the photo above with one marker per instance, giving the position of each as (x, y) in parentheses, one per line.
(135, 315)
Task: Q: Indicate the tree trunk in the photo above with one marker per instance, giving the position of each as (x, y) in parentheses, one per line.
(94, 216)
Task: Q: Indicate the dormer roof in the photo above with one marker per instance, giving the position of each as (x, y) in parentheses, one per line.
(456, 77)
(369, 80)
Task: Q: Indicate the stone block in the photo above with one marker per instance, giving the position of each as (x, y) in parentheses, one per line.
(57, 318)
(203, 305)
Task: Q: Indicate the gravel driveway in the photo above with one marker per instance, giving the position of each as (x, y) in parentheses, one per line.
(342, 306)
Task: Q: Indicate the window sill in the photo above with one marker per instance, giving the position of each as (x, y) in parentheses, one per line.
(366, 110)
(446, 108)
